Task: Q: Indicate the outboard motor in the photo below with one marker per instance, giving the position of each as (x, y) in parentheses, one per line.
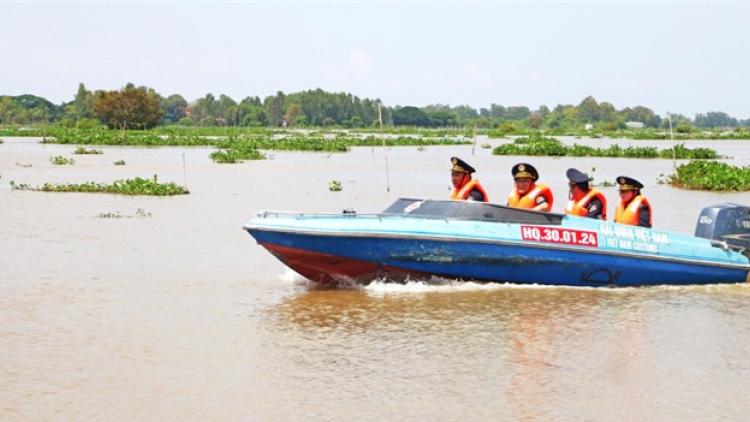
(726, 222)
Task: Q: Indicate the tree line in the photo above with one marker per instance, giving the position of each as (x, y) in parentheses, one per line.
(143, 108)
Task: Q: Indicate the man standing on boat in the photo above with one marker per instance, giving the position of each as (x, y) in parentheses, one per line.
(526, 192)
(633, 209)
(584, 200)
(464, 187)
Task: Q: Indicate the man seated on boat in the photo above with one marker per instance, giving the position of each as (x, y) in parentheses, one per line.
(584, 200)
(464, 187)
(526, 192)
(633, 209)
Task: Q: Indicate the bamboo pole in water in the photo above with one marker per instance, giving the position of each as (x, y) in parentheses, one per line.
(184, 172)
(385, 150)
(474, 146)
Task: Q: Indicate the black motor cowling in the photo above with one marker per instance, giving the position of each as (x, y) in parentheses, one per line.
(727, 222)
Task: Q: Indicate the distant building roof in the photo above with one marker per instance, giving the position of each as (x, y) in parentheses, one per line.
(635, 125)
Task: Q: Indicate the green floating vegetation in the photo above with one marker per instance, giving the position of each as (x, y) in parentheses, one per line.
(711, 176)
(334, 186)
(237, 144)
(237, 154)
(59, 160)
(542, 146)
(119, 163)
(137, 186)
(224, 138)
(534, 138)
(140, 213)
(82, 150)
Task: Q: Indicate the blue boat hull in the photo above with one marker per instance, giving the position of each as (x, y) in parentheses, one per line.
(364, 259)
(492, 243)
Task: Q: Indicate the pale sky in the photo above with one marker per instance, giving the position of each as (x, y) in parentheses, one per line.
(674, 56)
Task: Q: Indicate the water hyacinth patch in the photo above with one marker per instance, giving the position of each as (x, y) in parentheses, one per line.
(237, 154)
(82, 150)
(712, 176)
(133, 187)
(140, 213)
(61, 161)
(552, 147)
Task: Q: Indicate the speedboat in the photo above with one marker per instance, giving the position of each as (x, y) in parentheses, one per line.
(423, 239)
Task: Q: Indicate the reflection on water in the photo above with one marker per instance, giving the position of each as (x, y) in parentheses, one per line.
(513, 352)
(181, 316)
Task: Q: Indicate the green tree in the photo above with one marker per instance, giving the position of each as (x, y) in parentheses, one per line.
(442, 118)
(252, 112)
(543, 111)
(9, 110)
(465, 112)
(589, 111)
(204, 110)
(128, 108)
(608, 113)
(715, 119)
(293, 113)
(517, 113)
(174, 109)
(482, 122)
(25, 109)
(410, 116)
(82, 105)
(535, 121)
(248, 112)
(497, 111)
(641, 114)
(227, 113)
(275, 109)
(676, 120)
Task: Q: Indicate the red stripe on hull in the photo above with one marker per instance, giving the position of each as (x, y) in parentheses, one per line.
(326, 269)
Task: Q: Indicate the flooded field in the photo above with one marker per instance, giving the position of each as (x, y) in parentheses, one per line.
(145, 308)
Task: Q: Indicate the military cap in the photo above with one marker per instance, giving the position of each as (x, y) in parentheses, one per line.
(628, 183)
(460, 165)
(524, 170)
(577, 177)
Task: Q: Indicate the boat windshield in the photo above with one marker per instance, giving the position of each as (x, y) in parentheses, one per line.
(470, 210)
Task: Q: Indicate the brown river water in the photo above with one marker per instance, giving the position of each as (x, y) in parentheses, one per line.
(173, 312)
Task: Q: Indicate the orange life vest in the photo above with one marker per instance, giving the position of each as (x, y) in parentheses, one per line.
(529, 200)
(629, 214)
(466, 189)
(579, 208)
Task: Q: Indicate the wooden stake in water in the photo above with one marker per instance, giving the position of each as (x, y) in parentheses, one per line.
(674, 151)
(385, 150)
(184, 173)
(473, 147)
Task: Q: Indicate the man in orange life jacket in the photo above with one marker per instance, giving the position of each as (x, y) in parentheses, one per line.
(464, 187)
(527, 193)
(584, 200)
(633, 209)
